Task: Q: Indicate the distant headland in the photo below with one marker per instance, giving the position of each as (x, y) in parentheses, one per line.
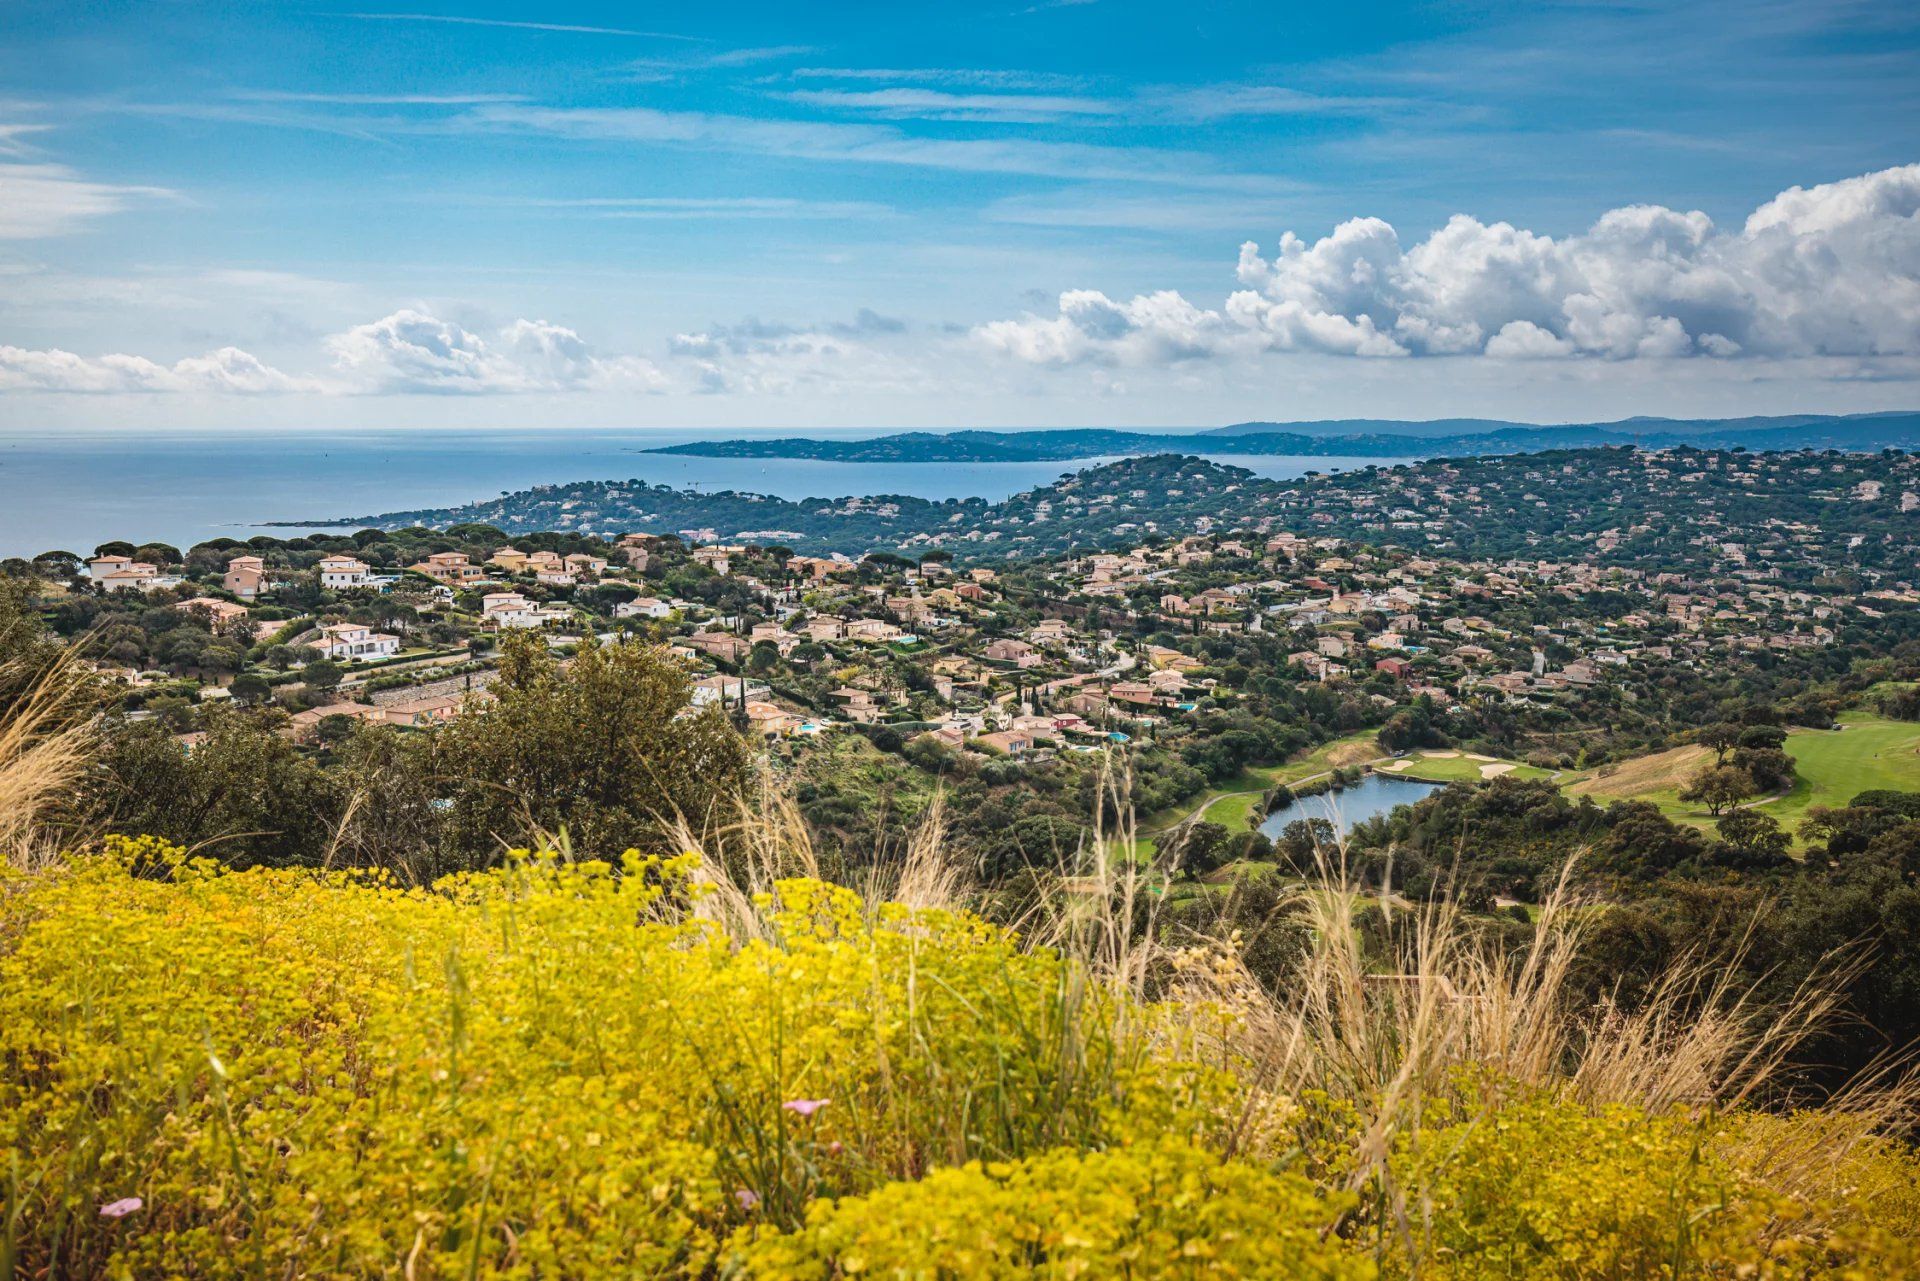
(1350, 438)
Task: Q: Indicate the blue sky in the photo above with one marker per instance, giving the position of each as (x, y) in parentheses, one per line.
(863, 214)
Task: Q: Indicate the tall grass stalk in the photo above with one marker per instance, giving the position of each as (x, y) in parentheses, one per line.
(48, 738)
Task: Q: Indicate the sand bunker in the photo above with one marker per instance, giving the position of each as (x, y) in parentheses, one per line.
(1475, 756)
(1393, 767)
(1442, 756)
(1496, 769)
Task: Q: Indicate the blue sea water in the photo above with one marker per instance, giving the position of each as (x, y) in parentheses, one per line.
(73, 491)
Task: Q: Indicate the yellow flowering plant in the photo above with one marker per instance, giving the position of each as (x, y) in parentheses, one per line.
(555, 1067)
(565, 1068)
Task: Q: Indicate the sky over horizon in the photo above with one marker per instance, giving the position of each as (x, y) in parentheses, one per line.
(1076, 212)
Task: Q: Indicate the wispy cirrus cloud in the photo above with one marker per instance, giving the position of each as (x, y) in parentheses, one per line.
(1231, 101)
(974, 77)
(937, 104)
(375, 99)
(41, 200)
(1047, 5)
(861, 143)
(715, 60)
(559, 27)
(1095, 207)
(714, 207)
(13, 138)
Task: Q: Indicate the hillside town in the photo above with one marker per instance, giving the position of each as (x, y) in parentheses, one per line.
(1027, 657)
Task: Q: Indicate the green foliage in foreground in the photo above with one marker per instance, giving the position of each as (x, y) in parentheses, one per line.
(568, 1070)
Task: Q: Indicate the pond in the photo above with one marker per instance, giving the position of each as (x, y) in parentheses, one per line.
(1372, 796)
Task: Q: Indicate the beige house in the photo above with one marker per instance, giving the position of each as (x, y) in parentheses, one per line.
(511, 559)
(1008, 650)
(770, 720)
(246, 577)
(222, 611)
(782, 640)
(719, 645)
(304, 725)
(452, 568)
(418, 713)
(1012, 742)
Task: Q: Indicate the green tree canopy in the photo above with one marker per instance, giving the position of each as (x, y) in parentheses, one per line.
(607, 747)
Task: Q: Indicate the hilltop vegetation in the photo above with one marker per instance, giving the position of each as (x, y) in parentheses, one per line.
(1804, 514)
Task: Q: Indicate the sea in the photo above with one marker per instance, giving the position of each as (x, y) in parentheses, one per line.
(72, 491)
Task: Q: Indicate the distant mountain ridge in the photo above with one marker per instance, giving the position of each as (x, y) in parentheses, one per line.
(1444, 427)
(1353, 438)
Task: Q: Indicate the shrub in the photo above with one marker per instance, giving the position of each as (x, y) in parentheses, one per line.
(1165, 1209)
(547, 1069)
(562, 1068)
(1550, 1188)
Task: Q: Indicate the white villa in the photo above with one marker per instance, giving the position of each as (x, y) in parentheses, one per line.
(642, 607)
(123, 573)
(355, 642)
(344, 571)
(508, 609)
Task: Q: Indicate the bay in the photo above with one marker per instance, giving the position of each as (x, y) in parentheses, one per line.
(73, 491)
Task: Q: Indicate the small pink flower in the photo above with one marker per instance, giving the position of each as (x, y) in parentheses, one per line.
(805, 1107)
(747, 1198)
(122, 1208)
(834, 1148)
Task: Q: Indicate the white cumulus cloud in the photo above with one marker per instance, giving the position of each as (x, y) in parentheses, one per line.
(227, 371)
(1155, 328)
(1831, 270)
(407, 352)
(763, 358)
(415, 351)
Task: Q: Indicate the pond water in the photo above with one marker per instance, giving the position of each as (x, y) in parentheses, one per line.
(1372, 796)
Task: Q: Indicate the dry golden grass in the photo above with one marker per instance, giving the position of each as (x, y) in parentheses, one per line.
(1451, 1012)
(48, 737)
(1666, 771)
(1345, 754)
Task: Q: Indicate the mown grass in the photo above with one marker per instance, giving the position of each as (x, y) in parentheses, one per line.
(1867, 752)
(1459, 767)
